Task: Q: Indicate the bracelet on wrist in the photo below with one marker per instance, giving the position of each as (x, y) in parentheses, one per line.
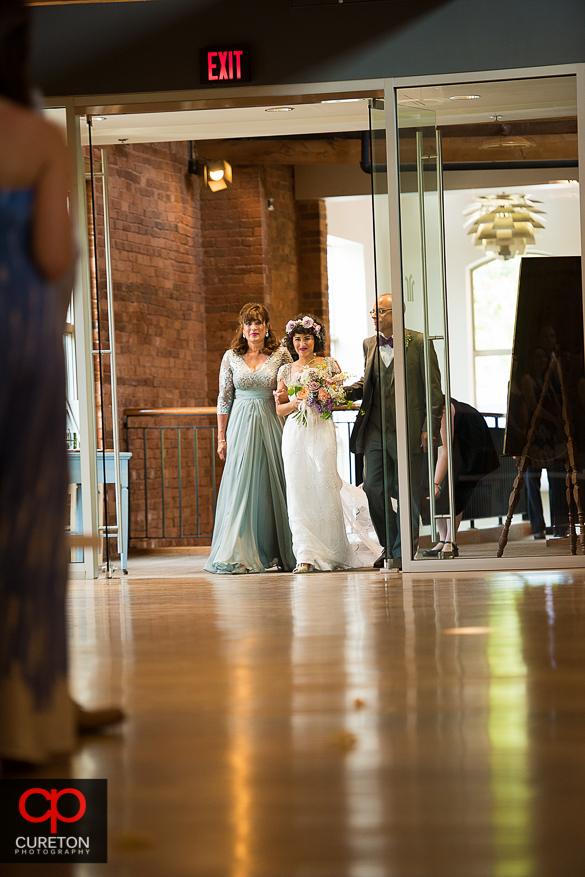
(222, 442)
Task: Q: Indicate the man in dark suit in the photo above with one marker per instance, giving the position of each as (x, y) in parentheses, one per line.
(379, 410)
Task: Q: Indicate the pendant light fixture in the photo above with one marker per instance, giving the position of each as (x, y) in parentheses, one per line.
(504, 224)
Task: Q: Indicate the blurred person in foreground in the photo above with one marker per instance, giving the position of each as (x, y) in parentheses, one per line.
(38, 718)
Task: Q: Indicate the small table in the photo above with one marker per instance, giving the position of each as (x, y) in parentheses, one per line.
(75, 478)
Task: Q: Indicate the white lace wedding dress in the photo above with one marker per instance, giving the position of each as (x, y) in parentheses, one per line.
(316, 513)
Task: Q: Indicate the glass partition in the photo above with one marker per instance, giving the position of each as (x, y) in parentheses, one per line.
(474, 211)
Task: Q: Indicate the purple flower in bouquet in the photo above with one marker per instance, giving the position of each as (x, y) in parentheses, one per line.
(313, 386)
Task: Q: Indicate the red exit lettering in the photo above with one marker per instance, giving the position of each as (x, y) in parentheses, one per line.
(229, 64)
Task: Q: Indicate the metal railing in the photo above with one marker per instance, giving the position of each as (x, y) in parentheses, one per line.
(173, 477)
(174, 472)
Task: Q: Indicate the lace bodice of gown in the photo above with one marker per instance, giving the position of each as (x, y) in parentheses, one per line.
(235, 374)
(284, 372)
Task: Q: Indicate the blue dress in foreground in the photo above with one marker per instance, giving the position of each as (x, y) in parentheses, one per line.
(36, 712)
(251, 522)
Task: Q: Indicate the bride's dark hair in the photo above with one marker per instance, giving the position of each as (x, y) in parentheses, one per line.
(299, 329)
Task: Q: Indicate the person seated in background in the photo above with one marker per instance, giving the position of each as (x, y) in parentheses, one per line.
(474, 456)
(547, 449)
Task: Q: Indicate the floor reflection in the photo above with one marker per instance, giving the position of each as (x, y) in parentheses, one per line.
(339, 725)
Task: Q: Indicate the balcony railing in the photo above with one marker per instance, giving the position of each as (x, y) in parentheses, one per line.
(173, 474)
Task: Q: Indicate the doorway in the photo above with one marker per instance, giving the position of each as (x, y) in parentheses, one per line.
(467, 151)
(183, 259)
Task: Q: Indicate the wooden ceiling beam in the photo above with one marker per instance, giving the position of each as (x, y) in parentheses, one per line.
(455, 149)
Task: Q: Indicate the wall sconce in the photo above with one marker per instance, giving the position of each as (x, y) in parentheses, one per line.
(217, 174)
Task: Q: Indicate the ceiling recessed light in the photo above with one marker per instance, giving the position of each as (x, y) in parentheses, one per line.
(343, 100)
(279, 109)
(464, 97)
(98, 118)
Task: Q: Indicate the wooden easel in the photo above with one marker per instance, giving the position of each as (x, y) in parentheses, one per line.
(572, 481)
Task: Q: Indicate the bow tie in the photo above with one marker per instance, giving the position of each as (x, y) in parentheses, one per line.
(385, 342)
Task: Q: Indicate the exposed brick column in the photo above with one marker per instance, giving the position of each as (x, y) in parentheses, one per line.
(236, 269)
(311, 229)
(279, 189)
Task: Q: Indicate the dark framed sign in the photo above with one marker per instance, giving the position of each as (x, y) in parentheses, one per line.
(224, 65)
(549, 320)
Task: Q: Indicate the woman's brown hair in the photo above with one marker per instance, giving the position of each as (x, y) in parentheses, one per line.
(251, 312)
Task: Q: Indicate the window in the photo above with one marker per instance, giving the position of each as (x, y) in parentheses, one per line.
(494, 292)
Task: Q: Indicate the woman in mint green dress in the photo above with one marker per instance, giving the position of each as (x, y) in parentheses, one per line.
(251, 531)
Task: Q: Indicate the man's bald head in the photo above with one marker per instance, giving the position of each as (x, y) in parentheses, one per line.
(382, 316)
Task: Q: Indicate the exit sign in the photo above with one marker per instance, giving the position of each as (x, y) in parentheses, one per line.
(225, 66)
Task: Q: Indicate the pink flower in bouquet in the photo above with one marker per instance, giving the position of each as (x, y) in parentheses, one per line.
(323, 395)
(313, 386)
(303, 393)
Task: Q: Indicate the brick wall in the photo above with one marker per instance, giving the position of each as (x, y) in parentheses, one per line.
(155, 236)
(311, 233)
(279, 188)
(234, 237)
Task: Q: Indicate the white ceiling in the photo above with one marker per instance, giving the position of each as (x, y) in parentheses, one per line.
(315, 118)
(517, 99)
(511, 100)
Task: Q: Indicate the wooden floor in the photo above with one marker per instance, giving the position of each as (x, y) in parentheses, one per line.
(336, 725)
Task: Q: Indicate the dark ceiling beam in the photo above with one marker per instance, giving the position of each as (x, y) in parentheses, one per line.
(291, 151)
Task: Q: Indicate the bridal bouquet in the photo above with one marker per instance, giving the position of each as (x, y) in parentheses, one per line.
(318, 391)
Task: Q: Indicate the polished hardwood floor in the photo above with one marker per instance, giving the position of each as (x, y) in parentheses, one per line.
(335, 725)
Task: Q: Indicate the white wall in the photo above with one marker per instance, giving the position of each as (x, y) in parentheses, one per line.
(348, 321)
(351, 218)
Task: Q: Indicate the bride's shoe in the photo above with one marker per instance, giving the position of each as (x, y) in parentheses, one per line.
(90, 721)
(304, 567)
(454, 552)
(437, 551)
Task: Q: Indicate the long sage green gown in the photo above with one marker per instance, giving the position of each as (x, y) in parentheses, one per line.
(251, 530)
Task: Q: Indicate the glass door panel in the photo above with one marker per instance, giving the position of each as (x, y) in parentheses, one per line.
(491, 272)
(425, 320)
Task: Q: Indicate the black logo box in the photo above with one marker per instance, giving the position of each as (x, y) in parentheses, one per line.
(82, 840)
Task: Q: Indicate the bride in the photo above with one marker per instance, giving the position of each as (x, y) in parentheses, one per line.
(310, 460)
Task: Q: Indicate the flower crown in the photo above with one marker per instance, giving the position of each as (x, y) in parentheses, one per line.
(307, 323)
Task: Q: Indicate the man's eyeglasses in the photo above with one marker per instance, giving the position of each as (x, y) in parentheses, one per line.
(380, 311)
